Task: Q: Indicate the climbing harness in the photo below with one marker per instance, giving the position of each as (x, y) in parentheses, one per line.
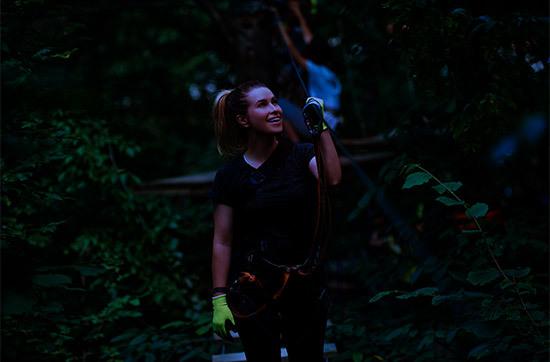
(254, 290)
(266, 281)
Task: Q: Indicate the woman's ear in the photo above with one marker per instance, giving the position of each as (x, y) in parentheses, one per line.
(243, 121)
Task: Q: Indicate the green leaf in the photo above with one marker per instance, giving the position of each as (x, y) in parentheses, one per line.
(451, 335)
(458, 297)
(448, 201)
(517, 273)
(345, 329)
(89, 271)
(203, 330)
(397, 332)
(474, 231)
(382, 295)
(138, 340)
(481, 329)
(51, 280)
(444, 187)
(175, 324)
(539, 315)
(52, 307)
(416, 179)
(427, 341)
(130, 314)
(526, 288)
(458, 11)
(483, 277)
(477, 210)
(423, 292)
(521, 349)
(506, 283)
(480, 351)
(125, 336)
(408, 168)
(361, 205)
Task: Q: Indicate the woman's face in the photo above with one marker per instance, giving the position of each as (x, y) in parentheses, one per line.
(264, 114)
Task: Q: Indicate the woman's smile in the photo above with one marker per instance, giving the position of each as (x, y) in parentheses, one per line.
(264, 110)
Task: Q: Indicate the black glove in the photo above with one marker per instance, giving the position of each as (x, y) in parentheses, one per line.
(314, 116)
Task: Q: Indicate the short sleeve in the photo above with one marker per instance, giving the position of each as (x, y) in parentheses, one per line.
(221, 191)
(305, 152)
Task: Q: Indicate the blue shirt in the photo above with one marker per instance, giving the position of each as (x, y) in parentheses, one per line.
(324, 84)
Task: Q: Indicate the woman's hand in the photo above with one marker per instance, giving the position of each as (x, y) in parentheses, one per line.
(314, 116)
(221, 316)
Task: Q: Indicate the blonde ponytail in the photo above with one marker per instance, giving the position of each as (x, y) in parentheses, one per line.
(218, 114)
(228, 104)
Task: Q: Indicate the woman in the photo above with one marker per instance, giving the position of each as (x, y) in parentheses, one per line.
(263, 207)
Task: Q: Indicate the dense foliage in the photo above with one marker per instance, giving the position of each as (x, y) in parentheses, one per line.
(445, 256)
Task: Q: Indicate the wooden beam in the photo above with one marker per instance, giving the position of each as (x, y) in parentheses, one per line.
(365, 158)
(199, 184)
(366, 141)
(195, 179)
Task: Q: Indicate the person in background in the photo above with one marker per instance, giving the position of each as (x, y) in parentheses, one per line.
(322, 82)
(264, 202)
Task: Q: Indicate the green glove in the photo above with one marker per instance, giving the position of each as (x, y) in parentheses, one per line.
(314, 116)
(222, 314)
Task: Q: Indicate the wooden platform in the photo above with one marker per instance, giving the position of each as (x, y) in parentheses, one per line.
(329, 349)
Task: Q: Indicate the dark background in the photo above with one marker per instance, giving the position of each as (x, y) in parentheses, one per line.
(101, 98)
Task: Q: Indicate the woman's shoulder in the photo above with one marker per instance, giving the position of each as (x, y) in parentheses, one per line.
(230, 166)
(304, 146)
(301, 152)
(292, 147)
(304, 150)
(226, 181)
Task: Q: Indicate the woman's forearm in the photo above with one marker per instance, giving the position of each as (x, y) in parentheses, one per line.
(291, 47)
(307, 35)
(294, 7)
(221, 246)
(331, 161)
(221, 259)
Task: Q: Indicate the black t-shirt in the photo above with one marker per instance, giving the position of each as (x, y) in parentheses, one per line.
(273, 205)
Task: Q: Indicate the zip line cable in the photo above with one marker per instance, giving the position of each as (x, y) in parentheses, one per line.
(402, 227)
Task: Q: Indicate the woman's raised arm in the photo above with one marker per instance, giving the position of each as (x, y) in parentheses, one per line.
(331, 160)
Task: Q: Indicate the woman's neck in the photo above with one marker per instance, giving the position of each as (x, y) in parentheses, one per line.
(260, 146)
